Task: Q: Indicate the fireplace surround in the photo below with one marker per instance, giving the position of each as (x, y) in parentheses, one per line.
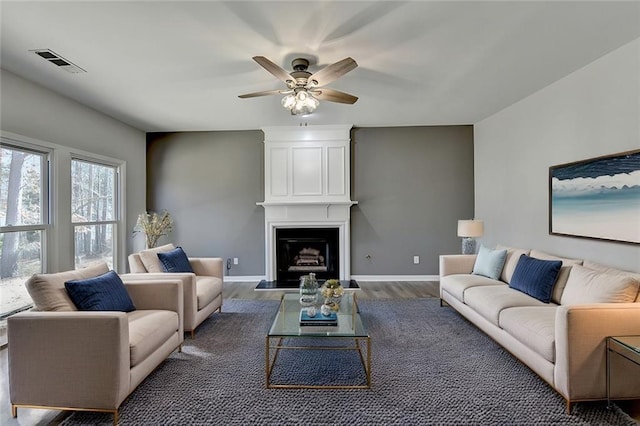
(300, 251)
(307, 182)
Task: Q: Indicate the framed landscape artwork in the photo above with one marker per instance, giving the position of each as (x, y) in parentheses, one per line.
(597, 198)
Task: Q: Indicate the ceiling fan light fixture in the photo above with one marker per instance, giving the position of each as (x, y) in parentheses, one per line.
(289, 101)
(302, 103)
(303, 87)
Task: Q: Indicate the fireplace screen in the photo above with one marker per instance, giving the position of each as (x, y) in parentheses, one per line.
(300, 251)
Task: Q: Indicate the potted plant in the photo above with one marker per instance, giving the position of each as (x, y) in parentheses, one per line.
(153, 225)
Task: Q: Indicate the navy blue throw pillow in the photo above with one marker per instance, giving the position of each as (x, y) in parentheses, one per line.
(536, 277)
(175, 260)
(102, 293)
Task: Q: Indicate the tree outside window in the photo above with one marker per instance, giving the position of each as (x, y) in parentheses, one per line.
(23, 222)
(94, 211)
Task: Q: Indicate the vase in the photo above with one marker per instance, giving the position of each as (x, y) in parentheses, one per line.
(332, 292)
(308, 290)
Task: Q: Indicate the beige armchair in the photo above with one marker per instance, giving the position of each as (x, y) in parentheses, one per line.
(202, 289)
(65, 359)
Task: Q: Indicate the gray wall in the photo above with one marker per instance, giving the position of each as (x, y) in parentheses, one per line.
(210, 182)
(412, 185)
(591, 112)
(30, 110)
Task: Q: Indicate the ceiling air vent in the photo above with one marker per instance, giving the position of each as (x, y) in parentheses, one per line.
(51, 56)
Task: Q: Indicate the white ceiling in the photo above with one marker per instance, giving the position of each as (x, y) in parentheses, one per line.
(180, 66)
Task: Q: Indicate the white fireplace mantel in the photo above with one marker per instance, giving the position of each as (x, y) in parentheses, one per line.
(307, 185)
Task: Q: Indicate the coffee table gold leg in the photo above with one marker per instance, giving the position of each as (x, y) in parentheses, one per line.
(267, 361)
(369, 362)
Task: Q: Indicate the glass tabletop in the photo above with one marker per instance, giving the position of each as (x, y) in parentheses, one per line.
(631, 342)
(287, 320)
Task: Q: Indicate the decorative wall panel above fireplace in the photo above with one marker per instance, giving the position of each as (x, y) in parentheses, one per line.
(307, 185)
(307, 164)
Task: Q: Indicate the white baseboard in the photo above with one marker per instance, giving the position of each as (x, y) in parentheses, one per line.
(258, 278)
(243, 278)
(395, 277)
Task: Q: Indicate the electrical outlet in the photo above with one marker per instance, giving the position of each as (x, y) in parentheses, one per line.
(416, 260)
(235, 260)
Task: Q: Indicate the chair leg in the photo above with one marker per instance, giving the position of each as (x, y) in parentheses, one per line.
(14, 411)
(568, 406)
(116, 418)
(193, 334)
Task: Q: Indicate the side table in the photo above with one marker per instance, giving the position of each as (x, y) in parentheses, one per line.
(625, 346)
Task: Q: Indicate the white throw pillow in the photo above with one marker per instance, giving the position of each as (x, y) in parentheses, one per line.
(513, 256)
(588, 286)
(48, 291)
(563, 276)
(150, 259)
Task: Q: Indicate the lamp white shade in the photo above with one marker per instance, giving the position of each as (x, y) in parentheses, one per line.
(470, 228)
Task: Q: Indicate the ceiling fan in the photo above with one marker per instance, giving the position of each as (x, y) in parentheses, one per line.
(304, 89)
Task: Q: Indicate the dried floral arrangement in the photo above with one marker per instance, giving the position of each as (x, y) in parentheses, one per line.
(153, 225)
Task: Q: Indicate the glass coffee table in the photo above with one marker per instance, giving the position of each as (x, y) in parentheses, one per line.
(286, 333)
(625, 346)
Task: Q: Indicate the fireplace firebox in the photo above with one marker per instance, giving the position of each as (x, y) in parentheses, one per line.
(300, 251)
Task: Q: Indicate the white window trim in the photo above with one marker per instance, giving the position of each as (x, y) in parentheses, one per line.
(119, 222)
(57, 259)
(45, 226)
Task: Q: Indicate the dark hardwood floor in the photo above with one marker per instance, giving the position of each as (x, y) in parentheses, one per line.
(245, 290)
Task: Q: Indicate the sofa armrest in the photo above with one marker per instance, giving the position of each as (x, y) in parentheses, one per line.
(189, 293)
(160, 294)
(165, 293)
(451, 264)
(69, 359)
(581, 332)
(209, 266)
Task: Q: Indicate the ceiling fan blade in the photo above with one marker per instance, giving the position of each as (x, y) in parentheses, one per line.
(264, 93)
(332, 72)
(274, 69)
(332, 95)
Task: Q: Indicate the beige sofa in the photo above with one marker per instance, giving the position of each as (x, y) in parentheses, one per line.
(563, 341)
(66, 359)
(202, 289)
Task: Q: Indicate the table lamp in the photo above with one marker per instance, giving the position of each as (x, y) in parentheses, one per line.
(468, 230)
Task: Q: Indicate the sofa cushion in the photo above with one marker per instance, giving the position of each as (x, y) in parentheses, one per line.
(457, 284)
(588, 286)
(102, 293)
(150, 259)
(207, 289)
(48, 292)
(489, 262)
(563, 276)
(490, 301)
(533, 326)
(513, 255)
(148, 330)
(535, 277)
(175, 260)
(609, 270)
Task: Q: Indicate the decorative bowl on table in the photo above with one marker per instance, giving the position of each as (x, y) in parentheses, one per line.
(332, 292)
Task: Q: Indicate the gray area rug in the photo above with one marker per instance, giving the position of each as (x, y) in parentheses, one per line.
(430, 367)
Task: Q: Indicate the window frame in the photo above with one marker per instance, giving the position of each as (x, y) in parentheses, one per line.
(118, 208)
(45, 226)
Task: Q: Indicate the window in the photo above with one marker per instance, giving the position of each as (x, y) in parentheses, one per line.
(24, 222)
(94, 211)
